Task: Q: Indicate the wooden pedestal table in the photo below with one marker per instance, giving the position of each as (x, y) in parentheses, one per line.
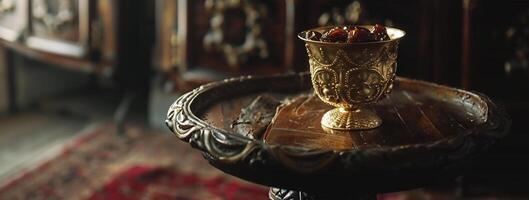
(429, 133)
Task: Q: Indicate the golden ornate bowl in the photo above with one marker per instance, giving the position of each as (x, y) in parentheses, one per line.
(351, 76)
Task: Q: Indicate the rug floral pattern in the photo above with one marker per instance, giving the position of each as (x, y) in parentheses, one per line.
(137, 164)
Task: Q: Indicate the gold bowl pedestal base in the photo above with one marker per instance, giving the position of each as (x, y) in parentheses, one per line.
(343, 119)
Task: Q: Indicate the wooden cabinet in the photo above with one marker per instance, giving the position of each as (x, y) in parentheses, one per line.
(496, 63)
(241, 36)
(211, 39)
(230, 37)
(497, 45)
(498, 48)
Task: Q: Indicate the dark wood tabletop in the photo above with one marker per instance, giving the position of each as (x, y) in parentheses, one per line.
(429, 132)
(410, 116)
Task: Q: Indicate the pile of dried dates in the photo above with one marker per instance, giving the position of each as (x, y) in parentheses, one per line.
(350, 34)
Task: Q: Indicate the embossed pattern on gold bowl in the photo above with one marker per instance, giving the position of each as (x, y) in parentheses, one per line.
(351, 76)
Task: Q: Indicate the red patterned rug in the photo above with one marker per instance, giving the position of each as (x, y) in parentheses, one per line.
(143, 164)
(139, 164)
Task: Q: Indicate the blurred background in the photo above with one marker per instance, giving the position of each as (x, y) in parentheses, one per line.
(69, 68)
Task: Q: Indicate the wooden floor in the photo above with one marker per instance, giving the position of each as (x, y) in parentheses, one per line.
(32, 135)
(28, 138)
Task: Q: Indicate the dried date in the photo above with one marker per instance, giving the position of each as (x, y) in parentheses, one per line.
(336, 34)
(350, 34)
(359, 34)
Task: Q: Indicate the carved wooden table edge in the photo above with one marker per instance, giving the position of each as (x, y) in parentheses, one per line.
(293, 167)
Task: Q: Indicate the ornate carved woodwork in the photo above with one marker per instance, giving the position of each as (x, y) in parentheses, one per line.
(237, 36)
(219, 38)
(284, 194)
(247, 16)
